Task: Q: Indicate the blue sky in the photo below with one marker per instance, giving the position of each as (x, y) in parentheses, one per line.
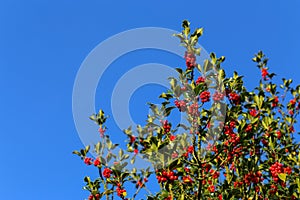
(43, 43)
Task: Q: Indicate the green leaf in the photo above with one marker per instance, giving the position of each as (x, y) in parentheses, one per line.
(101, 113)
(180, 36)
(195, 36)
(87, 179)
(132, 161)
(282, 176)
(114, 146)
(222, 59)
(177, 91)
(295, 194)
(179, 70)
(197, 51)
(108, 157)
(235, 75)
(109, 144)
(166, 96)
(290, 157)
(298, 182)
(173, 83)
(93, 117)
(98, 147)
(221, 75)
(125, 157)
(77, 153)
(197, 89)
(121, 153)
(213, 58)
(168, 110)
(87, 148)
(198, 32)
(83, 153)
(186, 27)
(108, 192)
(182, 196)
(258, 101)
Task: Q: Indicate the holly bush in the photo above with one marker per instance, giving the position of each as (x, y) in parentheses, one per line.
(232, 143)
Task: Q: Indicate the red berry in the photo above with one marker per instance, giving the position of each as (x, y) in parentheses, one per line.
(205, 96)
(97, 162)
(88, 161)
(107, 172)
(200, 80)
(264, 73)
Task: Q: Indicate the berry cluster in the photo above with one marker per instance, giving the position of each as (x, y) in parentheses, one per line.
(288, 170)
(235, 98)
(234, 139)
(89, 161)
(193, 110)
(199, 80)
(252, 177)
(206, 167)
(166, 126)
(253, 112)
(248, 128)
(211, 188)
(237, 184)
(189, 151)
(215, 174)
(218, 96)
(107, 172)
(132, 139)
(181, 105)
(121, 192)
(187, 179)
(169, 198)
(166, 176)
(174, 155)
(235, 152)
(273, 189)
(264, 73)
(278, 168)
(278, 133)
(172, 137)
(94, 197)
(291, 129)
(101, 131)
(293, 102)
(205, 96)
(190, 60)
(275, 102)
(265, 142)
(97, 162)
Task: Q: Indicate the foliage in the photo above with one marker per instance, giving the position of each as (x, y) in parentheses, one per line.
(241, 146)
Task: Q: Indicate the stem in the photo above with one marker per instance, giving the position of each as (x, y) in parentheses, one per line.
(137, 191)
(199, 188)
(199, 172)
(170, 188)
(192, 75)
(100, 173)
(103, 182)
(113, 188)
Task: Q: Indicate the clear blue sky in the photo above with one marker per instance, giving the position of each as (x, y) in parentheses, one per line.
(43, 43)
